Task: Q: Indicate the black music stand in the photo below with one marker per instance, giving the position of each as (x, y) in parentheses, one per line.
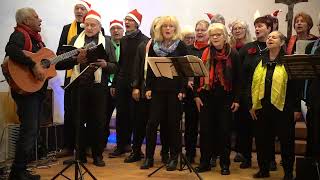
(306, 67)
(78, 164)
(185, 66)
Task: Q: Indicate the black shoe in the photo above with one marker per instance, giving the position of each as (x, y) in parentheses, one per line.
(133, 157)
(23, 175)
(213, 162)
(117, 152)
(127, 149)
(245, 164)
(238, 158)
(165, 158)
(288, 176)
(225, 170)
(148, 163)
(172, 165)
(261, 174)
(203, 168)
(190, 159)
(273, 166)
(98, 162)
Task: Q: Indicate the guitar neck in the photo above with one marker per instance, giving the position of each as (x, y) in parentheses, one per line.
(69, 54)
(64, 56)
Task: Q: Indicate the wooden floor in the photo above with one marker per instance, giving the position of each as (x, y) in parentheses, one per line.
(115, 169)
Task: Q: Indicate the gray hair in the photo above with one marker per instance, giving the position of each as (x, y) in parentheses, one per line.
(218, 18)
(23, 13)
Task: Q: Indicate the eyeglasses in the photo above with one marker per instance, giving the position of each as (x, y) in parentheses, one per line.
(127, 19)
(218, 35)
(189, 37)
(238, 29)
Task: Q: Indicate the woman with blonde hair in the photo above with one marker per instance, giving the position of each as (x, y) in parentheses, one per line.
(165, 93)
(217, 97)
(240, 34)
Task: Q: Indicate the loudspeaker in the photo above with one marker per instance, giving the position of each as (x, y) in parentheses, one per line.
(307, 169)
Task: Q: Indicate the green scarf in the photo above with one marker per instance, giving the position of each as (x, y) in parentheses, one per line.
(117, 52)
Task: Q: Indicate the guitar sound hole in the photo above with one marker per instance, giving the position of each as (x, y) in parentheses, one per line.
(45, 63)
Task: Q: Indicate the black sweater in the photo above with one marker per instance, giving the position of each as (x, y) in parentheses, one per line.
(160, 84)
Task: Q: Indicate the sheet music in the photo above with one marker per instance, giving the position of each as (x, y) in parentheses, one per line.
(188, 66)
(301, 46)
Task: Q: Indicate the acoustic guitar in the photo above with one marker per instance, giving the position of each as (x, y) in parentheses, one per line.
(21, 78)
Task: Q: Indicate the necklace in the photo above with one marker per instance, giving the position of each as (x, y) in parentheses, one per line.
(261, 50)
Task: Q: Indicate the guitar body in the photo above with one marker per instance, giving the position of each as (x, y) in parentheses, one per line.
(21, 78)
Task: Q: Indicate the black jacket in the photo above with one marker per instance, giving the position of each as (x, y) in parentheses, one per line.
(128, 50)
(112, 65)
(14, 50)
(250, 56)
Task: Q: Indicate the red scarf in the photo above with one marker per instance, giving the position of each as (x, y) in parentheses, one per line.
(239, 45)
(218, 73)
(199, 45)
(28, 34)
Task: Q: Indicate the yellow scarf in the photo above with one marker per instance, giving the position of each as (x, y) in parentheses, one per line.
(278, 87)
(72, 32)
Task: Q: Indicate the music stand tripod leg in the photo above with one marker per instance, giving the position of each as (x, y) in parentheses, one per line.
(78, 164)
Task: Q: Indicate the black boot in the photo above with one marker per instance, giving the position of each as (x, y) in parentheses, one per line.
(238, 158)
(261, 174)
(245, 164)
(133, 157)
(98, 161)
(172, 165)
(273, 165)
(203, 168)
(148, 163)
(165, 158)
(225, 170)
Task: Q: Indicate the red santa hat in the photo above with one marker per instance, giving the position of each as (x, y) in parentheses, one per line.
(85, 4)
(136, 16)
(209, 15)
(275, 13)
(116, 23)
(91, 14)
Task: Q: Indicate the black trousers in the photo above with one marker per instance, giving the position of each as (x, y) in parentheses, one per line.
(111, 105)
(191, 124)
(124, 105)
(29, 108)
(313, 127)
(89, 103)
(68, 128)
(165, 109)
(215, 127)
(246, 133)
(141, 116)
(272, 122)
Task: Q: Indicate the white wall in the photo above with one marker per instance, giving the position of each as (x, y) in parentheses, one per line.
(56, 13)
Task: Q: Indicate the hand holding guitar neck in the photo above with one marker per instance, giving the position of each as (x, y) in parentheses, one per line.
(81, 58)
